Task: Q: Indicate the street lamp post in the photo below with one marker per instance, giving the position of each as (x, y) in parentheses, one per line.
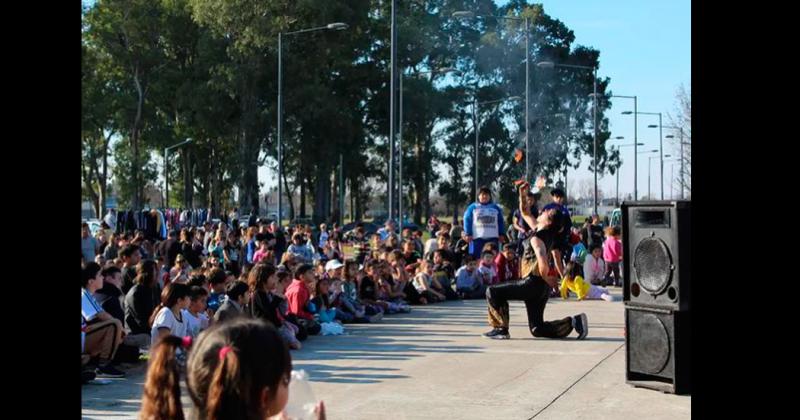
(166, 170)
(469, 15)
(550, 64)
(682, 155)
(660, 143)
(338, 26)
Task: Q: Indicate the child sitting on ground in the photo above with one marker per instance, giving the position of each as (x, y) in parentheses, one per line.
(423, 280)
(297, 294)
(196, 316)
(468, 281)
(573, 282)
(349, 296)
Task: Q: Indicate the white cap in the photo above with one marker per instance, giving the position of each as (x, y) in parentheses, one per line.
(333, 265)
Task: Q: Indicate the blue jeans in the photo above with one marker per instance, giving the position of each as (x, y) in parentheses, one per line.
(476, 246)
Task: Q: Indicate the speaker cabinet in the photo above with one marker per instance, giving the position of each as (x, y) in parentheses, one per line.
(657, 253)
(658, 349)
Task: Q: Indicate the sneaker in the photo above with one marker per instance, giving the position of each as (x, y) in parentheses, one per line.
(581, 325)
(376, 318)
(109, 371)
(87, 375)
(497, 334)
(607, 297)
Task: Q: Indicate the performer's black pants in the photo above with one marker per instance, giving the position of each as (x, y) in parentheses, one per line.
(534, 291)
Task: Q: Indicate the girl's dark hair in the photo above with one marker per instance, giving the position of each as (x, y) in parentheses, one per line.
(197, 280)
(235, 289)
(228, 387)
(171, 294)
(216, 276)
(259, 275)
(144, 273)
(300, 270)
(283, 275)
(594, 246)
(89, 272)
(349, 263)
(196, 293)
(573, 269)
(323, 296)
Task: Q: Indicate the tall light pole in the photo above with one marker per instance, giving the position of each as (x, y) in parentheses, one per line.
(337, 26)
(470, 15)
(683, 157)
(550, 64)
(660, 143)
(400, 132)
(392, 75)
(166, 169)
(635, 146)
(476, 127)
(635, 139)
(648, 170)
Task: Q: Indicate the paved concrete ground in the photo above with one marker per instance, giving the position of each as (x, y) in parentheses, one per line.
(433, 364)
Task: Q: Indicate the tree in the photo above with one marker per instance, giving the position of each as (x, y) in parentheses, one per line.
(682, 118)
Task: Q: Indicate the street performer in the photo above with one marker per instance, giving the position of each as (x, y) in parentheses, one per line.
(537, 281)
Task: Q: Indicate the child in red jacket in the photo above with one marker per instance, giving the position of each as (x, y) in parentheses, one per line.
(507, 264)
(297, 294)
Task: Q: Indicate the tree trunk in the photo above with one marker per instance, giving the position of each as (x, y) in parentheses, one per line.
(187, 178)
(288, 193)
(302, 181)
(322, 190)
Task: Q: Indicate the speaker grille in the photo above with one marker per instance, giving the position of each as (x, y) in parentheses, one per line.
(653, 265)
(650, 345)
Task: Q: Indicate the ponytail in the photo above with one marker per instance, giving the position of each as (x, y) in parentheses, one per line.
(162, 392)
(225, 376)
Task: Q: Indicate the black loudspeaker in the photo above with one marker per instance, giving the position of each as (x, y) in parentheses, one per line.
(657, 253)
(658, 349)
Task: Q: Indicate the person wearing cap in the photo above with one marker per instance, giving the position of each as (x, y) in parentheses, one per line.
(483, 222)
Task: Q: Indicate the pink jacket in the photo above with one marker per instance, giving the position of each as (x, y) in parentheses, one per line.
(612, 250)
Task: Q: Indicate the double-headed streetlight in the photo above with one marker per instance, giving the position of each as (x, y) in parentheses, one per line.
(476, 127)
(670, 136)
(400, 134)
(166, 170)
(337, 26)
(470, 15)
(593, 69)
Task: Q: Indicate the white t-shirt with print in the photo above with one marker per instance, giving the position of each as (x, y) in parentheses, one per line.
(166, 319)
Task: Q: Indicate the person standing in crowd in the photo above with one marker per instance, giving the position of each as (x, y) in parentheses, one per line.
(169, 249)
(612, 255)
(483, 222)
(593, 232)
(112, 250)
(187, 249)
(534, 288)
(520, 226)
(323, 236)
(562, 224)
(89, 245)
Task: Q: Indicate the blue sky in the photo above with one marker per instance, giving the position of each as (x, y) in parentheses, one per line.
(645, 48)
